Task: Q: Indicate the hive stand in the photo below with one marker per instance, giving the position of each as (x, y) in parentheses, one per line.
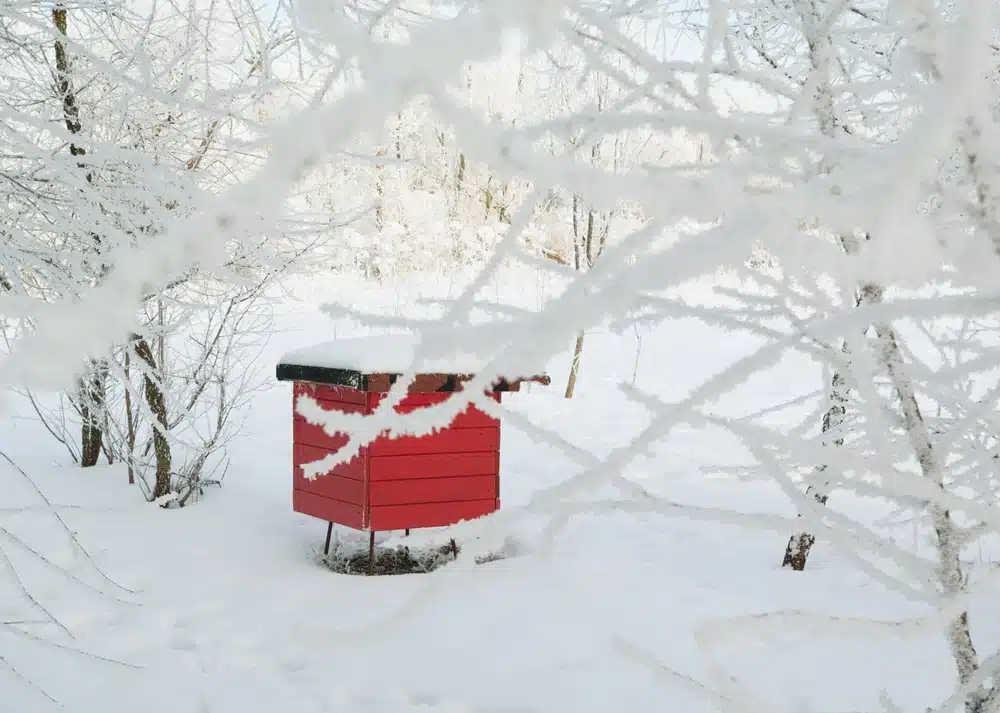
(395, 483)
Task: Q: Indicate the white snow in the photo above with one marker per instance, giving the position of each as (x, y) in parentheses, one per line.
(389, 354)
(227, 611)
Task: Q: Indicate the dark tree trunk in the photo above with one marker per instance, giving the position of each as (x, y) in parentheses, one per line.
(91, 395)
(158, 406)
(130, 419)
(64, 83)
(800, 545)
(91, 387)
(460, 175)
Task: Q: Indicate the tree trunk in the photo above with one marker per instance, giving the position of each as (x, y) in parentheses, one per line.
(91, 395)
(488, 198)
(575, 368)
(949, 539)
(460, 175)
(820, 53)
(91, 386)
(380, 192)
(577, 257)
(129, 418)
(64, 83)
(595, 158)
(800, 545)
(158, 406)
(589, 238)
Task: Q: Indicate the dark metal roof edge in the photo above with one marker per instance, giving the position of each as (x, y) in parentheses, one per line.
(354, 379)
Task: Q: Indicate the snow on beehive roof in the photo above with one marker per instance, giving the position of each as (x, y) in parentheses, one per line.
(388, 354)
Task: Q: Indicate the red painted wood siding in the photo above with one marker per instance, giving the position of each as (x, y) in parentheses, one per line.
(400, 517)
(326, 392)
(329, 510)
(433, 490)
(432, 465)
(307, 433)
(341, 494)
(450, 440)
(336, 486)
(398, 483)
(471, 417)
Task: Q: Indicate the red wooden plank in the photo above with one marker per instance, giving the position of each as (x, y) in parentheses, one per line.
(450, 440)
(354, 469)
(418, 400)
(471, 417)
(411, 400)
(432, 465)
(328, 509)
(309, 434)
(338, 487)
(329, 393)
(341, 394)
(401, 517)
(461, 440)
(433, 490)
(341, 406)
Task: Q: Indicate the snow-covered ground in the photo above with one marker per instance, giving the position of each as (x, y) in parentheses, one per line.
(224, 608)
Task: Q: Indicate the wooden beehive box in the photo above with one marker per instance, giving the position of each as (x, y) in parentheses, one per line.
(393, 483)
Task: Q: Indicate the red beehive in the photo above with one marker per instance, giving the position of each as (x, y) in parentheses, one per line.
(393, 483)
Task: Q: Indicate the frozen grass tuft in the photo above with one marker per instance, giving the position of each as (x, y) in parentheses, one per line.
(352, 558)
(348, 558)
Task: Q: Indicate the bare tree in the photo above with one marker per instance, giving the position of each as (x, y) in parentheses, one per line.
(193, 150)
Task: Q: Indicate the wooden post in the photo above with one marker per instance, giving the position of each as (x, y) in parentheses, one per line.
(371, 553)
